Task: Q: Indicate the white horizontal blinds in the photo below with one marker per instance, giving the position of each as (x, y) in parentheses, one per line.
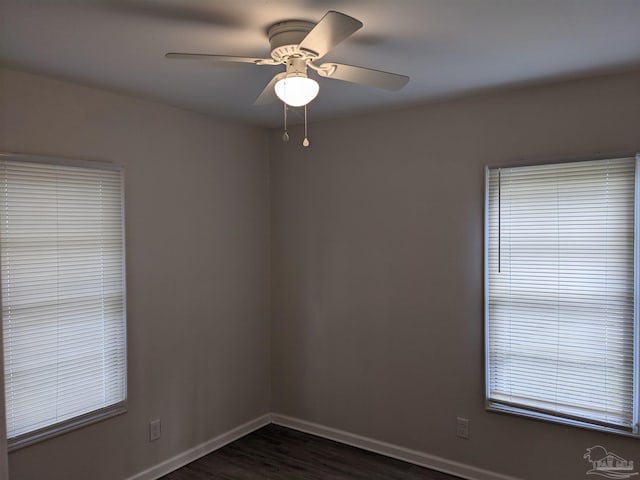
(561, 289)
(63, 309)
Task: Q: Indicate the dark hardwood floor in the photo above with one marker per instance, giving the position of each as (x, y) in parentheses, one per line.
(279, 453)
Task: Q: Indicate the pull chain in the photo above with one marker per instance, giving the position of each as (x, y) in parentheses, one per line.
(305, 142)
(285, 135)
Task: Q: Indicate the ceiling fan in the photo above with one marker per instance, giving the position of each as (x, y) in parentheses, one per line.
(298, 45)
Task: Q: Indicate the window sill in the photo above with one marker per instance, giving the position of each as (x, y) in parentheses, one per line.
(535, 415)
(46, 433)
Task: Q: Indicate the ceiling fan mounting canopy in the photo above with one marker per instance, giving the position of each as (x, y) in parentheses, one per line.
(298, 44)
(285, 38)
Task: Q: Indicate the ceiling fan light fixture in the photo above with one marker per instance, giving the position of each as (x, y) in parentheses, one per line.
(296, 89)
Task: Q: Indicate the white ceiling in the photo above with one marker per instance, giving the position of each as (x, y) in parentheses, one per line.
(447, 47)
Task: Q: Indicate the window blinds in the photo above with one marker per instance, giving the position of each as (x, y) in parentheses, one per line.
(63, 304)
(560, 290)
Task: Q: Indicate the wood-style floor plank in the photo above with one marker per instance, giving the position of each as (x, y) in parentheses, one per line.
(279, 453)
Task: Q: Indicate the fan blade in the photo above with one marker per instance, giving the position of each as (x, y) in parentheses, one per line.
(365, 76)
(268, 95)
(221, 58)
(332, 29)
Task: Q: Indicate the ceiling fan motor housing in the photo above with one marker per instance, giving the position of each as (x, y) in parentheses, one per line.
(284, 38)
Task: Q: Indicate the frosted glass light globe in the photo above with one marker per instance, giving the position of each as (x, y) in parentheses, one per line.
(296, 90)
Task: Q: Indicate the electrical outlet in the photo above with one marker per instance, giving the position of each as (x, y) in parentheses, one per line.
(462, 427)
(155, 429)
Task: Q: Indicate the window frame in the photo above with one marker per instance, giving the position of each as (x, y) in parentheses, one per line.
(530, 412)
(115, 409)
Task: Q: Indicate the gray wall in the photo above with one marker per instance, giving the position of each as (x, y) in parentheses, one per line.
(377, 278)
(376, 251)
(197, 199)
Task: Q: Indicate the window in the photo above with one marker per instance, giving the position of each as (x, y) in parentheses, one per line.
(560, 267)
(63, 301)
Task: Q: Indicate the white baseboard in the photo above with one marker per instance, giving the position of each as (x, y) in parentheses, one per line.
(433, 462)
(201, 450)
(412, 456)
